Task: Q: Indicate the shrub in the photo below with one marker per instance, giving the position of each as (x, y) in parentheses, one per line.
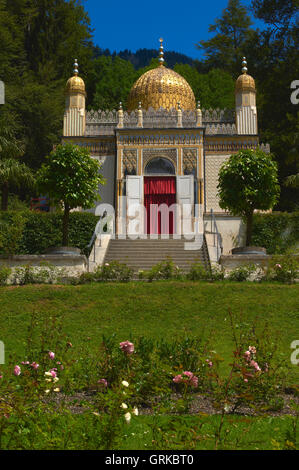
(43, 230)
(164, 270)
(198, 272)
(276, 231)
(11, 232)
(43, 274)
(5, 272)
(283, 269)
(113, 271)
(241, 273)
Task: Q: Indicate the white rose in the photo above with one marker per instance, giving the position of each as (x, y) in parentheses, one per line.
(128, 417)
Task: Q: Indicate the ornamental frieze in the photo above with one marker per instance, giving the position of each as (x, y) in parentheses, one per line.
(160, 139)
(99, 149)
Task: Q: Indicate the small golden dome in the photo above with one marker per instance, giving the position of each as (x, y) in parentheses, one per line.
(75, 84)
(245, 82)
(161, 87)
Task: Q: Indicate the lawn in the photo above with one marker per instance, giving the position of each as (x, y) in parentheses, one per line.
(160, 311)
(164, 309)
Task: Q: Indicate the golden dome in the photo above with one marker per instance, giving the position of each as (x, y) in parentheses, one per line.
(245, 82)
(161, 87)
(75, 84)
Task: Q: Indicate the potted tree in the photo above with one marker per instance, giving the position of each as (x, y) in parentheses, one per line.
(248, 181)
(70, 176)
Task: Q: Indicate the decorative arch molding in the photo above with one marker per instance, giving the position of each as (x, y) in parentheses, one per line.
(159, 165)
(167, 154)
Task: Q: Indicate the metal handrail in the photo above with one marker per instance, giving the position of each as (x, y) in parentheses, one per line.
(94, 237)
(217, 235)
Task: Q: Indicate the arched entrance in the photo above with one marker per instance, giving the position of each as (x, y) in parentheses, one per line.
(159, 196)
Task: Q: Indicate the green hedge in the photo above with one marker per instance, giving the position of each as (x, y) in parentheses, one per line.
(44, 230)
(277, 231)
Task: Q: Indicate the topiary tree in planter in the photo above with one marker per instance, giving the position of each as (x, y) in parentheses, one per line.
(248, 181)
(70, 176)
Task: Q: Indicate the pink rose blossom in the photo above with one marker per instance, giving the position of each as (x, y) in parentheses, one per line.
(35, 365)
(17, 370)
(255, 365)
(103, 382)
(51, 355)
(210, 363)
(245, 380)
(187, 377)
(53, 373)
(247, 356)
(127, 347)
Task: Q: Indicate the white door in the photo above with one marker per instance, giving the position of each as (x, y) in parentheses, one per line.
(185, 201)
(135, 208)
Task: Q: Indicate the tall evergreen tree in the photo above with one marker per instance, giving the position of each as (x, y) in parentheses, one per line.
(41, 38)
(233, 34)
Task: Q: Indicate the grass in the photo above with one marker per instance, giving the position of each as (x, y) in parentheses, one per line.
(164, 309)
(159, 310)
(83, 432)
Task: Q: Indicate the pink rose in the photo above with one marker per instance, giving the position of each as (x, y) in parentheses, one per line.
(103, 382)
(35, 365)
(187, 377)
(255, 365)
(53, 373)
(127, 347)
(177, 379)
(17, 370)
(51, 355)
(210, 363)
(247, 356)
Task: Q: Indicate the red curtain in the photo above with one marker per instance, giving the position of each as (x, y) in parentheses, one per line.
(158, 191)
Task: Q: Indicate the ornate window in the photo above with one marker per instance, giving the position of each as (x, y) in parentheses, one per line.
(159, 166)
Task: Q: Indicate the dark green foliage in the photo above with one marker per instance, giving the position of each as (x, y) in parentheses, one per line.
(276, 231)
(248, 181)
(39, 41)
(43, 230)
(72, 177)
(114, 271)
(113, 79)
(233, 34)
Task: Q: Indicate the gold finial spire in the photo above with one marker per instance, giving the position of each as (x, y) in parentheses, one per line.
(161, 54)
(76, 70)
(244, 65)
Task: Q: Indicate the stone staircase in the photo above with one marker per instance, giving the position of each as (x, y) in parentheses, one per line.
(142, 254)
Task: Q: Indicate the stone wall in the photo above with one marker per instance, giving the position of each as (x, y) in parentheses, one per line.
(64, 265)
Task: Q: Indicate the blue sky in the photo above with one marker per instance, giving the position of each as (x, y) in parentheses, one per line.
(132, 24)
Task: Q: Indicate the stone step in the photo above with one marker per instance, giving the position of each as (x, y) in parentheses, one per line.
(142, 254)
